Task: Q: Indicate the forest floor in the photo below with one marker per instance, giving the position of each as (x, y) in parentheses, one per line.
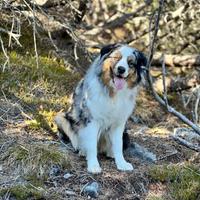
(34, 164)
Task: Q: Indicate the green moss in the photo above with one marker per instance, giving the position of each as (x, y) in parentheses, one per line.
(35, 160)
(45, 89)
(21, 192)
(20, 153)
(23, 73)
(43, 119)
(28, 191)
(183, 181)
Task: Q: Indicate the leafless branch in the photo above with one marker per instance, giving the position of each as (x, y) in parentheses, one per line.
(7, 62)
(124, 18)
(197, 105)
(34, 37)
(164, 82)
(12, 35)
(149, 77)
(34, 31)
(184, 136)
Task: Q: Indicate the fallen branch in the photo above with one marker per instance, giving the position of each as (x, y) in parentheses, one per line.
(177, 60)
(186, 143)
(7, 62)
(188, 134)
(149, 77)
(119, 21)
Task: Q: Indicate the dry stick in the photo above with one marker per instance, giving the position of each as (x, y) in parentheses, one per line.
(182, 141)
(164, 82)
(34, 31)
(12, 35)
(149, 78)
(7, 62)
(10, 38)
(34, 37)
(197, 105)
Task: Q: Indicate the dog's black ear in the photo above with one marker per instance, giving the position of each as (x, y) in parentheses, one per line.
(141, 64)
(141, 59)
(108, 49)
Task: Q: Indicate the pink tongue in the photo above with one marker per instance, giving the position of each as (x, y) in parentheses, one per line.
(119, 83)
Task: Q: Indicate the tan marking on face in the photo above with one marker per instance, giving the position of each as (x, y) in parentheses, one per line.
(107, 69)
(132, 77)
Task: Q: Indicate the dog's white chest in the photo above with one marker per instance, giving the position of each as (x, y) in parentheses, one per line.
(112, 110)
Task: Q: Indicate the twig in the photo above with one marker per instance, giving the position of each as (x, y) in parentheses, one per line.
(75, 52)
(168, 155)
(10, 38)
(53, 43)
(197, 105)
(124, 18)
(34, 31)
(12, 35)
(34, 38)
(164, 82)
(7, 62)
(149, 77)
(183, 142)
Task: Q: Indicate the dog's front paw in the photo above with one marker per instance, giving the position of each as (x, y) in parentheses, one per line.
(94, 169)
(125, 166)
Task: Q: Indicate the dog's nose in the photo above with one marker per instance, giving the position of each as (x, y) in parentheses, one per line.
(121, 70)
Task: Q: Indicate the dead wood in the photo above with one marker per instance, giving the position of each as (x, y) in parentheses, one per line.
(187, 137)
(177, 60)
(47, 3)
(119, 21)
(163, 100)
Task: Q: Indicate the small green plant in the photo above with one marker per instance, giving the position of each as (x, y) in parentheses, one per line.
(22, 192)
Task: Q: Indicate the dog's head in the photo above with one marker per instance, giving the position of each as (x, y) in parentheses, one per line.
(122, 66)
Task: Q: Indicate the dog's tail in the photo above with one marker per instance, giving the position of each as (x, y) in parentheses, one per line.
(65, 131)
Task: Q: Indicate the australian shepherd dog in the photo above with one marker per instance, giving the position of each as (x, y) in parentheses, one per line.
(102, 103)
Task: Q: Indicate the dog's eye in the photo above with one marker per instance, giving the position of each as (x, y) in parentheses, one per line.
(131, 64)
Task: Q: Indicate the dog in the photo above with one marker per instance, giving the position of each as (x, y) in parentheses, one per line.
(102, 103)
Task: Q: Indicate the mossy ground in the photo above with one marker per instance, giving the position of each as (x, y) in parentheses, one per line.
(182, 180)
(43, 89)
(24, 192)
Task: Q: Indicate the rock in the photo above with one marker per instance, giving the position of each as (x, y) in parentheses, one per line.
(54, 171)
(67, 175)
(70, 192)
(91, 190)
(141, 152)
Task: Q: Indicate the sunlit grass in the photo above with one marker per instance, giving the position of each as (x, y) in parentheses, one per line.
(183, 181)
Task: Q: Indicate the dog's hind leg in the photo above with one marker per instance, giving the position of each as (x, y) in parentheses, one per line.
(65, 129)
(88, 139)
